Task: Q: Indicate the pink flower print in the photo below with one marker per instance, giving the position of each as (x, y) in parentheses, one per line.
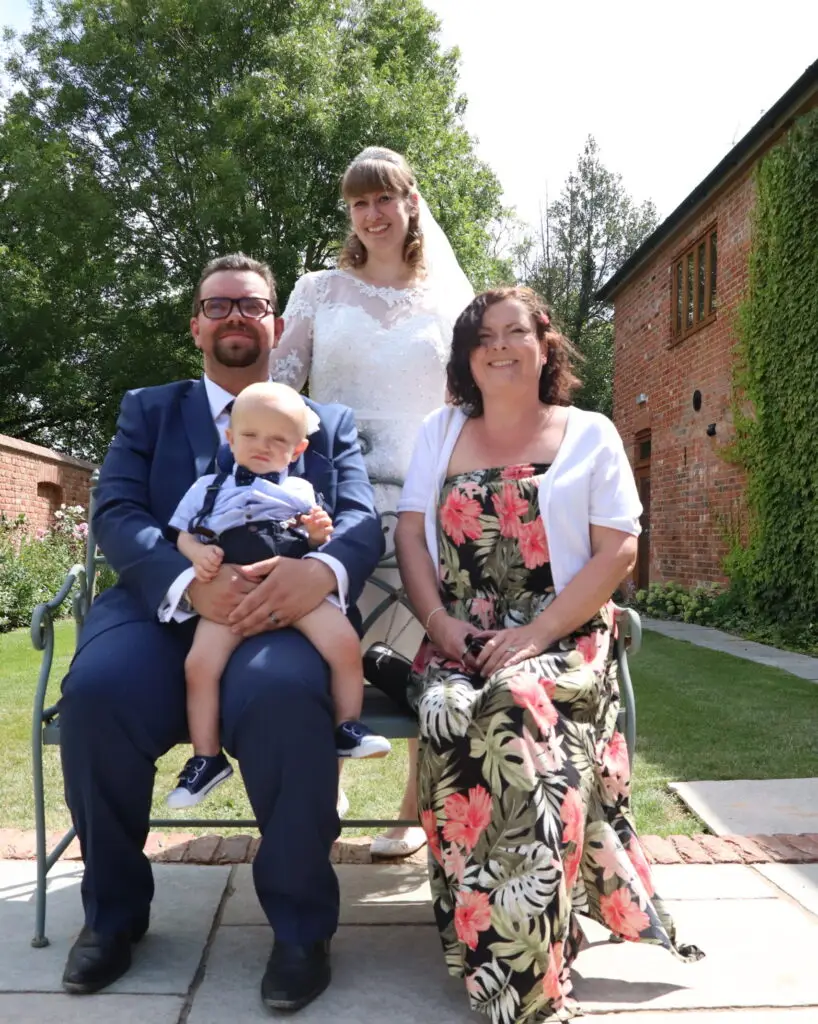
(552, 989)
(467, 817)
(471, 916)
(533, 543)
(482, 609)
(521, 472)
(623, 915)
(608, 855)
(530, 694)
(571, 865)
(615, 756)
(588, 647)
(429, 822)
(454, 863)
(636, 855)
(549, 685)
(460, 517)
(573, 817)
(510, 508)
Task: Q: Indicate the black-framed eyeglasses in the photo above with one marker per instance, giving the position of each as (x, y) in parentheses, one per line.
(252, 307)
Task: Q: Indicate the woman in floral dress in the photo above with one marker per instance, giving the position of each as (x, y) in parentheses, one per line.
(518, 520)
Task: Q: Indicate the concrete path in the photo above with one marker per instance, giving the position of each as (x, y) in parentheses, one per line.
(800, 665)
(202, 961)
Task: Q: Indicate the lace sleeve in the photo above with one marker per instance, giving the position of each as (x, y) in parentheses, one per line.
(290, 362)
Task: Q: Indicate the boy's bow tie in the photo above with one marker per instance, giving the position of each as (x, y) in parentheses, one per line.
(245, 476)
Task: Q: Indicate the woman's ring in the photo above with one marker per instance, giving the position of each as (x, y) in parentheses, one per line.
(512, 650)
(273, 617)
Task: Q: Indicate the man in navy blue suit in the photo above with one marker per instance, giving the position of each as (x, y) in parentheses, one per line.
(123, 700)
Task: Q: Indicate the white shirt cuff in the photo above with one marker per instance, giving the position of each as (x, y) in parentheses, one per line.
(341, 576)
(167, 609)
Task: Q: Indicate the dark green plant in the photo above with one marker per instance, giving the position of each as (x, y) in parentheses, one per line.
(776, 380)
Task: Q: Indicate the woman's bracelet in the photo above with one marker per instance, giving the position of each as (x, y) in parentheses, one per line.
(431, 614)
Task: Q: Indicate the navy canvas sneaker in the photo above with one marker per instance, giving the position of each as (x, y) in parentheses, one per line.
(354, 739)
(198, 777)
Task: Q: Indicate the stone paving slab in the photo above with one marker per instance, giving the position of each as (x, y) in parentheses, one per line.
(37, 1008)
(392, 973)
(711, 882)
(800, 881)
(743, 966)
(801, 665)
(376, 894)
(752, 807)
(166, 960)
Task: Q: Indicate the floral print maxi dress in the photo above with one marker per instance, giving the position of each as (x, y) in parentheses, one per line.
(523, 779)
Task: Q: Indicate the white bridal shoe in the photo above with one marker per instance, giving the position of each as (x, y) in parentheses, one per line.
(385, 846)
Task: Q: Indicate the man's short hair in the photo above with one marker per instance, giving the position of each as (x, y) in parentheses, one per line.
(237, 261)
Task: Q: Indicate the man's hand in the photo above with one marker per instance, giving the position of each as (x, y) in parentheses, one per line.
(218, 598)
(206, 563)
(287, 589)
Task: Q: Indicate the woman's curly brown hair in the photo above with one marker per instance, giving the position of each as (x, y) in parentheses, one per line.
(557, 380)
(379, 169)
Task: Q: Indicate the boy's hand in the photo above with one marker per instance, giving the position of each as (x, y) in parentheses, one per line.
(207, 563)
(318, 525)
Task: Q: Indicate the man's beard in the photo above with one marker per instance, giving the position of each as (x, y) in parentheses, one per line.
(224, 353)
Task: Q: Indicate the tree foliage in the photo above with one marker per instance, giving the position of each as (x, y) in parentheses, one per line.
(775, 386)
(143, 137)
(585, 236)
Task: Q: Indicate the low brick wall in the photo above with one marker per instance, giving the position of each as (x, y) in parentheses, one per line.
(36, 481)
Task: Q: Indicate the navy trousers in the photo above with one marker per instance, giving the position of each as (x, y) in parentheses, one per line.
(123, 706)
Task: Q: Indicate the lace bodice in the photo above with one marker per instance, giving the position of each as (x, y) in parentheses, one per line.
(381, 351)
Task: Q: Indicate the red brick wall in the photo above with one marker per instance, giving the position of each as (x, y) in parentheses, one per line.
(693, 489)
(35, 481)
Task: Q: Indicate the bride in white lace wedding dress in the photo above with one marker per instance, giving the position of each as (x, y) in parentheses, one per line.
(375, 335)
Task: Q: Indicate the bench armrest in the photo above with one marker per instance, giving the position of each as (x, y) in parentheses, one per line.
(42, 619)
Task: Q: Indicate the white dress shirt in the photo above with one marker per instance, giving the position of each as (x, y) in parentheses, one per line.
(219, 400)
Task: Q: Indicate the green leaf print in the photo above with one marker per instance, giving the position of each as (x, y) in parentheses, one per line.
(512, 825)
(526, 940)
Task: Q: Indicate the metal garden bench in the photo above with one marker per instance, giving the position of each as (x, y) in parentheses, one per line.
(381, 713)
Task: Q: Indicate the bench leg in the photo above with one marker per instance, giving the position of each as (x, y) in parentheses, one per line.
(40, 940)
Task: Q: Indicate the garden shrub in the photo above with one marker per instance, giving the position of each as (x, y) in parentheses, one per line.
(33, 566)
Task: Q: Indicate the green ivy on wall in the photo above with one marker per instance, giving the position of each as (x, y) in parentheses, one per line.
(776, 386)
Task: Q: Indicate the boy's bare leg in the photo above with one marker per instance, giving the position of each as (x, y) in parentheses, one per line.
(206, 661)
(328, 630)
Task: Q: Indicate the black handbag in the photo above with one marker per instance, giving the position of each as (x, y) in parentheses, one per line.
(389, 672)
(386, 669)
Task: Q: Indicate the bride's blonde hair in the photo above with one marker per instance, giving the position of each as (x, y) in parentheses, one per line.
(378, 169)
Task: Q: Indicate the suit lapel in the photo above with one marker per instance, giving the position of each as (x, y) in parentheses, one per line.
(200, 428)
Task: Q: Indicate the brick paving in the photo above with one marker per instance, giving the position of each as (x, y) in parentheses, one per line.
(182, 847)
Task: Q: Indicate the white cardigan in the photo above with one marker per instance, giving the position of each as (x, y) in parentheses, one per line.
(590, 482)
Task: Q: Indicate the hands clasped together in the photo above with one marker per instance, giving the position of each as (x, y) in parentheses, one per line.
(489, 650)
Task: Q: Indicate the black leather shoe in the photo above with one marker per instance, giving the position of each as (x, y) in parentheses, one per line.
(96, 961)
(295, 975)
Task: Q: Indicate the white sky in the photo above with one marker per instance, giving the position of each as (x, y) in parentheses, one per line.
(667, 89)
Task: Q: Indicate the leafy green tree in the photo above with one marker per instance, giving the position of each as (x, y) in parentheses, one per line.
(143, 137)
(585, 236)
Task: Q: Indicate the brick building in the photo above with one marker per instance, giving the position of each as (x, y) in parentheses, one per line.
(37, 481)
(675, 305)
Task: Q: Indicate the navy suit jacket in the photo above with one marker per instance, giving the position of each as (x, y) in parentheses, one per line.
(165, 439)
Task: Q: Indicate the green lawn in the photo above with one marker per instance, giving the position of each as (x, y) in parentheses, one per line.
(700, 715)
